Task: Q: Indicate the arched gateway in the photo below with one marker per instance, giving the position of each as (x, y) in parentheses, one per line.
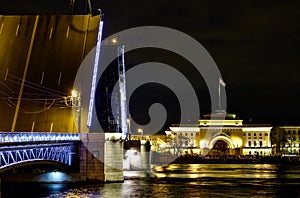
(220, 144)
(222, 138)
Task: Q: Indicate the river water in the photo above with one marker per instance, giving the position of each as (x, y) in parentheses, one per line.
(189, 180)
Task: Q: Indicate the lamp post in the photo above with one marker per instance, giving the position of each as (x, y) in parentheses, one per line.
(140, 130)
(76, 102)
(128, 124)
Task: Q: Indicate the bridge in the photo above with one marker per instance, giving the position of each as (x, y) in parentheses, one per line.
(43, 44)
(18, 148)
(98, 156)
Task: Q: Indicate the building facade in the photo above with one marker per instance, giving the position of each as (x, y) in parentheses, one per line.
(286, 140)
(223, 134)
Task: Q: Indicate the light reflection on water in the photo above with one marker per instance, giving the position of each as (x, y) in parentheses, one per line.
(196, 180)
(250, 171)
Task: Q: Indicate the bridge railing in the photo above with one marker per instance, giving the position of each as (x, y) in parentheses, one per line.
(11, 137)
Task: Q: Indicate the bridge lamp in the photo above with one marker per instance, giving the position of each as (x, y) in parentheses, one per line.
(128, 124)
(74, 94)
(76, 102)
(114, 41)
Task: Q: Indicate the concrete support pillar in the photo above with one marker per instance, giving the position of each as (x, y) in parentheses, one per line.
(145, 157)
(113, 159)
(101, 157)
(92, 157)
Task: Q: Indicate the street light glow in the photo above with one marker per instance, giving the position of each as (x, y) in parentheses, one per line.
(74, 93)
(114, 40)
(141, 131)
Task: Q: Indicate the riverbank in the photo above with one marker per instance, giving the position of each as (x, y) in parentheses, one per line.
(247, 159)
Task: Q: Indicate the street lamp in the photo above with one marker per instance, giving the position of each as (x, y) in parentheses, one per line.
(141, 131)
(128, 124)
(114, 41)
(76, 102)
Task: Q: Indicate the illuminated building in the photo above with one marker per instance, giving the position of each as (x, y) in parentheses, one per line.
(222, 133)
(286, 140)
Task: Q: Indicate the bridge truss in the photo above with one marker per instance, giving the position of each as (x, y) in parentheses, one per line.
(13, 155)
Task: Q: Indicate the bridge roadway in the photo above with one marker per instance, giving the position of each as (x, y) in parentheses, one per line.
(22, 147)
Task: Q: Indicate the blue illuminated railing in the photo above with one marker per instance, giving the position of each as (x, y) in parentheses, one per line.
(60, 152)
(11, 137)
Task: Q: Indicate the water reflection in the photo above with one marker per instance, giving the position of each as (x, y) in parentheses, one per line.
(196, 180)
(245, 171)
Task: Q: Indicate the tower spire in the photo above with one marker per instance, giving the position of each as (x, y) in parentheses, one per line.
(221, 83)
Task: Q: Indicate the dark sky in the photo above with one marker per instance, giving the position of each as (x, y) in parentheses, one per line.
(254, 43)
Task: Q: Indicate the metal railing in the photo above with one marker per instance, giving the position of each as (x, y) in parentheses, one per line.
(9, 137)
(12, 155)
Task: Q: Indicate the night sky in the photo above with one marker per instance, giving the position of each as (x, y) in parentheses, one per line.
(254, 43)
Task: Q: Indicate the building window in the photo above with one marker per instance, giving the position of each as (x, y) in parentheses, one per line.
(254, 143)
(180, 134)
(294, 132)
(186, 134)
(260, 134)
(289, 132)
(294, 138)
(266, 134)
(260, 143)
(249, 134)
(249, 143)
(192, 134)
(254, 134)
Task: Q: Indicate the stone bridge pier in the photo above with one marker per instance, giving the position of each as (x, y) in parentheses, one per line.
(101, 157)
(105, 156)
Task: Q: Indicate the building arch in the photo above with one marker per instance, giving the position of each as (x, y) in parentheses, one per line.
(220, 137)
